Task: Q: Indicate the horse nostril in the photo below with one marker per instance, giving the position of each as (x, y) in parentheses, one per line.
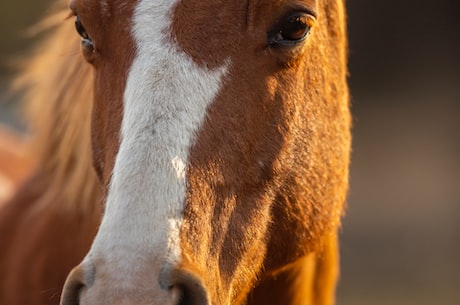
(185, 288)
(72, 287)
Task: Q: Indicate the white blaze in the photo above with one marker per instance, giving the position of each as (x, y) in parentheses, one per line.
(165, 103)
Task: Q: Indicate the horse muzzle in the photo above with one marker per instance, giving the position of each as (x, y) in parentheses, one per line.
(87, 285)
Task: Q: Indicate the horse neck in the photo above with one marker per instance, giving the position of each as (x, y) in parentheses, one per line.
(310, 280)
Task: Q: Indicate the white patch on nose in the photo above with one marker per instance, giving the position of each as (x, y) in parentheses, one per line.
(165, 103)
(179, 166)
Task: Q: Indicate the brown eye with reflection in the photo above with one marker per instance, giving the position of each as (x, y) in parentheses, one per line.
(291, 30)
(86, 42)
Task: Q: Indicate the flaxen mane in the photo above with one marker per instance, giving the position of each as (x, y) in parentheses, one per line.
(62, 191)
(58, 86)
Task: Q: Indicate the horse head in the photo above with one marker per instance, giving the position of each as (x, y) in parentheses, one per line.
(220, 132)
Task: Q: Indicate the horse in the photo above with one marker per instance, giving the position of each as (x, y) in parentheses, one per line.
(185, 152)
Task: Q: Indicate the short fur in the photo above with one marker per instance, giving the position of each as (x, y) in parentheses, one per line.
(290, 163)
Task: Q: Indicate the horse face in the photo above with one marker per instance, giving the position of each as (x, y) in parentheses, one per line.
(220, 130)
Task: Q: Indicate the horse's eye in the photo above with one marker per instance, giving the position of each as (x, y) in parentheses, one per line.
(80, 28)
(85, 38)
(291, 30)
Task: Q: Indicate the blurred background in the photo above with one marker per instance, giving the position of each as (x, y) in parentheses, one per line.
(401, 235)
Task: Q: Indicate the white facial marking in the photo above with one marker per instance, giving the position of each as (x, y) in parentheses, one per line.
(165, 103)
(179, 166)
